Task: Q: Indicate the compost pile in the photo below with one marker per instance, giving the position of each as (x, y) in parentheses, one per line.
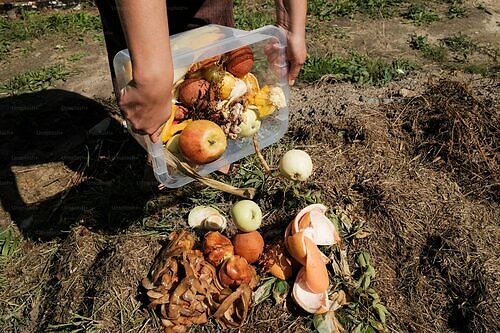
(450, 127)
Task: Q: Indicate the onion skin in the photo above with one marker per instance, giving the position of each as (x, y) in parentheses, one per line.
(236, 271)
(217, 247)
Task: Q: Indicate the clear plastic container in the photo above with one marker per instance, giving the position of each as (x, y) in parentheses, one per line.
(268, 45)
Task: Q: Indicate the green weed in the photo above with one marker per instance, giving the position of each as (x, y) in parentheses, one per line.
(355, 68)
(484, 69)
(418, 14)
(482, 6)
(35, 80)
(429, 51)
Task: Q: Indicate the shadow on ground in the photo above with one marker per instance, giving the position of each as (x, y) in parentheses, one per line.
(105, 166)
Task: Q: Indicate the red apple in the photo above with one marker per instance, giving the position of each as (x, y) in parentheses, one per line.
(202, 142)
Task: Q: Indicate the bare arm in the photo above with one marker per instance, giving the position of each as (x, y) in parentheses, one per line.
(146, 101)
(291, 15)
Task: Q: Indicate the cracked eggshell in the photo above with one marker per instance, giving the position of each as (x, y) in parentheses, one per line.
(311, 302)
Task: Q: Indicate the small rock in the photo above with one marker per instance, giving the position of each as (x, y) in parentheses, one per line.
(11, 14)
(403, 92)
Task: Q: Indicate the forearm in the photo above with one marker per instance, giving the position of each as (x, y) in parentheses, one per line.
(145, 26)
(291, 15)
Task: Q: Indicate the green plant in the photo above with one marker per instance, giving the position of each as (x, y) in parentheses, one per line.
(456, 9)
(429, 51)
(418, 14)
(355, 68)
(9, 242)
(36, 79)
(482, 6)
(459, 43)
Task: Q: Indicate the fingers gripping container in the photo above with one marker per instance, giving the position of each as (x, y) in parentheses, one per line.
(270, 67)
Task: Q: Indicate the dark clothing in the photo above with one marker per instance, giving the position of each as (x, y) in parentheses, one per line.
(182, 15)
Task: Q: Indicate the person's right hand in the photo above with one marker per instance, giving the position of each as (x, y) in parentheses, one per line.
(146, 104)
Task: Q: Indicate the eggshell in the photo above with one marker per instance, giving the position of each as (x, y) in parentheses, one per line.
(249, 245)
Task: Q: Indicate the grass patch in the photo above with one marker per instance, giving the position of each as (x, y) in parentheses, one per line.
(35, 80)
(32, 25)
(248, 16)
(428, 50)
(418, 14)
(484, 69)
(327, 9)
(459, 43)
(457, 10)
(77, 56)
(355, 68)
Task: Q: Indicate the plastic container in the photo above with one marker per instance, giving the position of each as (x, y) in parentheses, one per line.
(268, 45)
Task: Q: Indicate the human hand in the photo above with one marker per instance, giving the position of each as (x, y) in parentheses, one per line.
(147, 105)
(296, 54)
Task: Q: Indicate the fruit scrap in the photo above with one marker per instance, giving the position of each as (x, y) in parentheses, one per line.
(246, 215)
(296, 165)
(267, 100)
(276, 261)
(207, 218)
(311, 302)
(252, 84)
(217, 247)
(240, 61)
(309, 229)
(202, 142)
(192, 91)
(184, 288)
(173, 129)
(249, 245)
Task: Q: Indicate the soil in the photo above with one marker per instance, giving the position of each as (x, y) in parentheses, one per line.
(429, 195)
